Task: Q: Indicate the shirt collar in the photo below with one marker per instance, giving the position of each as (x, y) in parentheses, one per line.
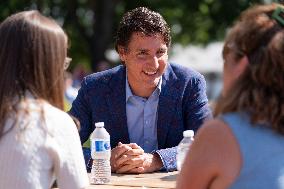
(129, 92)
(127, 88)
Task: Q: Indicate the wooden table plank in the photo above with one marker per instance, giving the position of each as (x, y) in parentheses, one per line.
(158, 180)
(152, 180)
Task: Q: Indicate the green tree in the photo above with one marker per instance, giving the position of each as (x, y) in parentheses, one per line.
(91, 24)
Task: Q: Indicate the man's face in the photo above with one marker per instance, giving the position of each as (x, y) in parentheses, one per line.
(145, 59)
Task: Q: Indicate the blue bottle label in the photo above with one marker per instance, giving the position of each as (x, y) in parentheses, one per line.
(101, 145)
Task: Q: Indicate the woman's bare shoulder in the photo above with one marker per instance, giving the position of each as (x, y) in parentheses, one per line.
(214, 154)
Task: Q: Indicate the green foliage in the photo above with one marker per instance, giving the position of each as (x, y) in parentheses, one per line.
(91, 24)
(198, 22)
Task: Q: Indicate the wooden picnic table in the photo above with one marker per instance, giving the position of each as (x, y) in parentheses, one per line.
(157, 180)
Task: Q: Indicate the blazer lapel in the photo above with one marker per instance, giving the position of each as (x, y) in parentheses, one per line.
(116, 104)
(167, 106)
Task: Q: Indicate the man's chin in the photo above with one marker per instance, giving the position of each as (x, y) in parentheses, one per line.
(152, 84)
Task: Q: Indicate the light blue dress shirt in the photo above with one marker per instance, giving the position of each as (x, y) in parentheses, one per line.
(142, 118)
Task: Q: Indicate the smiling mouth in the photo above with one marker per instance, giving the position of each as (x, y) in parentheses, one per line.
(150, 73)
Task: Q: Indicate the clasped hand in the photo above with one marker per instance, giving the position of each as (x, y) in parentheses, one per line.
(130, 158)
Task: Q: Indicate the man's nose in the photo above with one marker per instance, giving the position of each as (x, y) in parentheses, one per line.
(154, 62)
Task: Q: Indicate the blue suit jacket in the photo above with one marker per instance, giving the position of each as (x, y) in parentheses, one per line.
(182, 106)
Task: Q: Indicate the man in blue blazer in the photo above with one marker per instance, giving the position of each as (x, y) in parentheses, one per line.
(146, 103)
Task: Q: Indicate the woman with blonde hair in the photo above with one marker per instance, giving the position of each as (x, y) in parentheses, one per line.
(38, 141)
(243, 147)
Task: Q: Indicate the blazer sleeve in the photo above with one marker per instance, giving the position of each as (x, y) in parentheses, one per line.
(81, 110)
(195, 111)
(195, 106)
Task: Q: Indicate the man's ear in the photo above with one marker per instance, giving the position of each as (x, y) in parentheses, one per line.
(121, 52)
(242, 64)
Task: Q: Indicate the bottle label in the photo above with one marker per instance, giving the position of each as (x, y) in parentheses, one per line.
(101, 171)
(100, 145)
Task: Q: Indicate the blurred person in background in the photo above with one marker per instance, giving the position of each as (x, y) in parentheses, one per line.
(70, 92)
(38, 141)
(243, 146)
(147, 102)
(79, 73)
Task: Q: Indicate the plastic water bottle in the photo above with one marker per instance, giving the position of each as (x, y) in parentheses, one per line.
(100, 150)
(183, 147)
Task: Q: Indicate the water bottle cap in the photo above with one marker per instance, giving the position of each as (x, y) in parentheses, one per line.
(100, 124)
(188, 133)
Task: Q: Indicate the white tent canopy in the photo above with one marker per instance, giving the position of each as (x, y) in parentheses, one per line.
(203, 59)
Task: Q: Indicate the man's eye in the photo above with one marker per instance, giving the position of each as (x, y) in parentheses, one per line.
(161, 53)
(142, 54)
